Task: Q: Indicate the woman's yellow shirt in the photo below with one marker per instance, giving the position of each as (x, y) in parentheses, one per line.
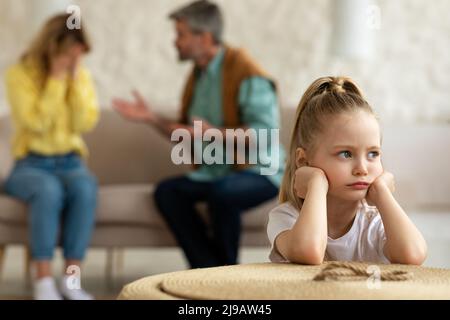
(50, 114)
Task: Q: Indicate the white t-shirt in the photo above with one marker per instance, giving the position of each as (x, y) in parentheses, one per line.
(363, 242)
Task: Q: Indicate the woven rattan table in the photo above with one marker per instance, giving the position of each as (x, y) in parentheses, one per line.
(272, 281)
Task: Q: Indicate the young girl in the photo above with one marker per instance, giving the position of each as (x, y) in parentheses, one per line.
(334, 172)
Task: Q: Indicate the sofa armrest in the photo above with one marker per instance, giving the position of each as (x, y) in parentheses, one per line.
(5, 162)
(4, 167)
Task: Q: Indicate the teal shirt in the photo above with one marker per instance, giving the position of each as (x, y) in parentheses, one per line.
(258, 110)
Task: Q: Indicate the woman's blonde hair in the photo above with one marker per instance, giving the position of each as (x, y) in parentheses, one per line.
(53, 39)
(325, 97)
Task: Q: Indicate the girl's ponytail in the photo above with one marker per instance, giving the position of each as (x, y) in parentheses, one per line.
(287, 192)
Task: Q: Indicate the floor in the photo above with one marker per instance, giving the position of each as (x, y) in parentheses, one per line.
(137, 263)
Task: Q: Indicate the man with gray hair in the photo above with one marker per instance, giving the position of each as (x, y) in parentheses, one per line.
(225, 90)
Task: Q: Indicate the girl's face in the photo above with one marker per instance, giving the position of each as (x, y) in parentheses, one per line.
(348, 151)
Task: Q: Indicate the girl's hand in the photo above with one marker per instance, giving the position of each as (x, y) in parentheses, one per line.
(305, 176)
(384, 182)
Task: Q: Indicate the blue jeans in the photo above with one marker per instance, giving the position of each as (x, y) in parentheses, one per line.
(226, 199)
(59, 190)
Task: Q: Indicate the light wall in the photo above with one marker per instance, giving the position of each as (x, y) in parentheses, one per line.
(407, 80)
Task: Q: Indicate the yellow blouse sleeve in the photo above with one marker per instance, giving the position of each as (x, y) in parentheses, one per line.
(83, 103)
(32, 108)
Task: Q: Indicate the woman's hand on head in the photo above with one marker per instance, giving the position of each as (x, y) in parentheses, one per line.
(60, 65)
(305, 176)
(383, 182)
(75, 66)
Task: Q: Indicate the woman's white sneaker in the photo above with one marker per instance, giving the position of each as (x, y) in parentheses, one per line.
(71, 292)
(45, 289)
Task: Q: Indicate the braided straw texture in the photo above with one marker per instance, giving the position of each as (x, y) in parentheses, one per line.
(331, 280)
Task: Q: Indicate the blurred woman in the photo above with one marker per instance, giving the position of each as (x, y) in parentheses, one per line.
(53, 101)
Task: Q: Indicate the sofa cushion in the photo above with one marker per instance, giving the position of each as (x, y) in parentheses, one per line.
(120, 204)
(122, 152)
(131, 204)
(134, 204)
(128, 204)
(12, 211)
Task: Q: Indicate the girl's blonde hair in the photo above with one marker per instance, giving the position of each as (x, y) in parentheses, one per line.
(325, 97)
(54, 39)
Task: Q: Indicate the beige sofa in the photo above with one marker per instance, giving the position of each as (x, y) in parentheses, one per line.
(129, 159)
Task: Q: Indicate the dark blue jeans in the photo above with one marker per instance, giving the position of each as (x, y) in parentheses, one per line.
(226, 199)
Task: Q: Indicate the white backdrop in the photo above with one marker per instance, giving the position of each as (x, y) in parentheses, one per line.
(407, 79)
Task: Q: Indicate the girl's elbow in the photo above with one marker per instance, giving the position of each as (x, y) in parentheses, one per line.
(412, 257)
(314, 259)
(310, 256)
(417, 257)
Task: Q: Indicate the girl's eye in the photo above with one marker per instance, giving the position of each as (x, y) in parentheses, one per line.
(373, 154)
(345, 154)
